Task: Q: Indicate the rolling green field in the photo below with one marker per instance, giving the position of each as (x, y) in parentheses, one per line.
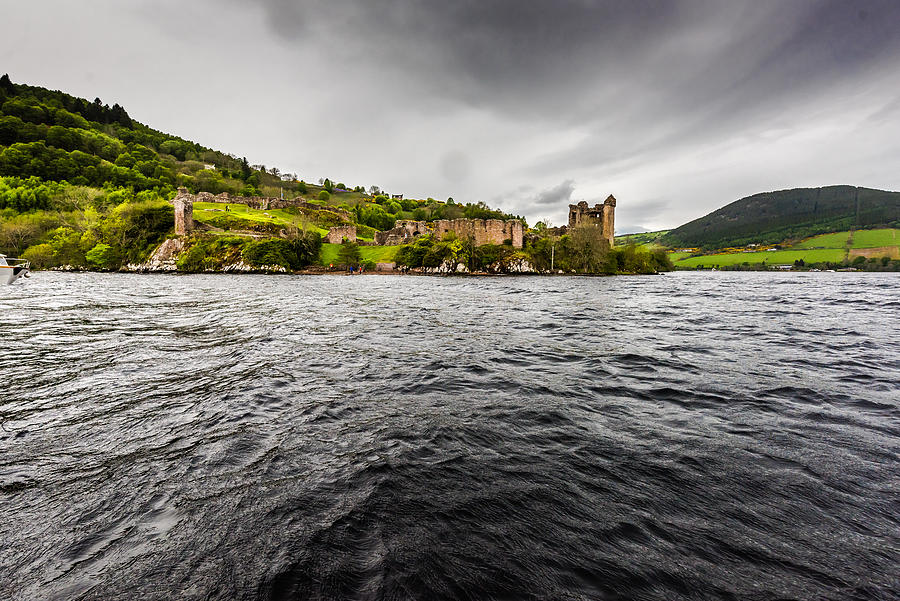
(835, 240)
(876, 238)
(376, 254)
(825, 248)
(777, 257)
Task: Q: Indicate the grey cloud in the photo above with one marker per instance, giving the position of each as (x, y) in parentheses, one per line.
(557, 195)
(454, 166)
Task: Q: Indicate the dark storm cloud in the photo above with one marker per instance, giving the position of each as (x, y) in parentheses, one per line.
(583, 54)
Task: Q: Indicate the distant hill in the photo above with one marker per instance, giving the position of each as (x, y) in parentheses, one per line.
(772, 217)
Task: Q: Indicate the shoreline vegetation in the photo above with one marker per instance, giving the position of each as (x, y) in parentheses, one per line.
(83, 186)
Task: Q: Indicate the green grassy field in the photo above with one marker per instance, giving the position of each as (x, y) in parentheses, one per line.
(778, 257)
(876, 238)
(825, 248)
(376, 254)
(835, 240)
(206, 211)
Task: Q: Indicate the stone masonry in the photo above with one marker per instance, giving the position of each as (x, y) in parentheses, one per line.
(337, 235)
(184, 211)
(403, 233)
(481, 231)
(602, 216)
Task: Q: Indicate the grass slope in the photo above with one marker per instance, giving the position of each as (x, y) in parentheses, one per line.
(210, 212)
(376, 254)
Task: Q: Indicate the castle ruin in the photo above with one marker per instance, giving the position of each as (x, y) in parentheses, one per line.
(480, 231)
(184, 211)
(602, 216)
(404, 232)
(337, 235)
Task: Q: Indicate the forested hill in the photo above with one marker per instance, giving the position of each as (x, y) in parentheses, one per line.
(54, 136)
(772, 217)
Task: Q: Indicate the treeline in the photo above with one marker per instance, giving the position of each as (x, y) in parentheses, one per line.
(773, 217)
(583, 250)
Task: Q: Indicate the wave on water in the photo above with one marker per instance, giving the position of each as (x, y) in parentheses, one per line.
(688, 436)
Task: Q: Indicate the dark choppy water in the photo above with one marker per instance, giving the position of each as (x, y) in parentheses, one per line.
(695, 436)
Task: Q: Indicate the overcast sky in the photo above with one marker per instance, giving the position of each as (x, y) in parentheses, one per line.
(675, 107)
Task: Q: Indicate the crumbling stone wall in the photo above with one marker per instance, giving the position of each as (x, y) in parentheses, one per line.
(404, 232)
(482, 231)
(337, 235)
(602, 216)
(184, 211)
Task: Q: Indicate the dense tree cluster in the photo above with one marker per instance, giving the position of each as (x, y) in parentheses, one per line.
(58, 137)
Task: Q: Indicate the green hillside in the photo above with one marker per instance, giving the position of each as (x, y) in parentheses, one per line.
(773, 217)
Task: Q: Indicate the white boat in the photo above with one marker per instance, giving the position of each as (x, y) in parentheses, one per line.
(12, 269)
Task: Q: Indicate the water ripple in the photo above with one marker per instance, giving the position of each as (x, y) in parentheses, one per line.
(689, 436)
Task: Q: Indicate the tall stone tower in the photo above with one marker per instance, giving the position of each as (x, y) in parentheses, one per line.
(602, 216)
(184, 211)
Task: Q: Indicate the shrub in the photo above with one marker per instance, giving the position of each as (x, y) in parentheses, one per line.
(324, 195)
(102, 255)
(290, 254)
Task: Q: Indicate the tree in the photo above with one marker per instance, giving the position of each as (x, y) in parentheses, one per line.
(245, 169)
(301, 187)
(586, 249)
(102, 255)
(6, 84)
(328, 185)
(349, 254)
(324, 195)
(374, 190)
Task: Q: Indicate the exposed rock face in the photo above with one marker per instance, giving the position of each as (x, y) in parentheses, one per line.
(403, 233)
(184, 211)
(163, 258)
(336, 235)
(602, 216)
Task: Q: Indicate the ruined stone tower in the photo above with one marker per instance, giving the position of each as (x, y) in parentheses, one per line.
(184, 211)
(602, 216)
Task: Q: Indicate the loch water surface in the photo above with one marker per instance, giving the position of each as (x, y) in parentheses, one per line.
(685, 436)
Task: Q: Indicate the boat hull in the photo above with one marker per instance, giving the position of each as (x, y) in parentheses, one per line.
(9, 274)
